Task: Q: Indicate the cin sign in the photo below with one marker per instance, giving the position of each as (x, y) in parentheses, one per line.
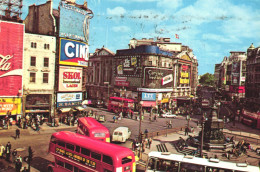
(73, 51)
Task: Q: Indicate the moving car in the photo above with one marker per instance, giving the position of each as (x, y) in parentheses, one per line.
(121, 134)
(168, 115)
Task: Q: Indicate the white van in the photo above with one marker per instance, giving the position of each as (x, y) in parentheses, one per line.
(121, 134)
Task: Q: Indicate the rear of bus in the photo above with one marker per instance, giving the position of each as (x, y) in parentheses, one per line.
(124, 161)
(100, 133)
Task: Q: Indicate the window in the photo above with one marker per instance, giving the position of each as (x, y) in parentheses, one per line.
(46, 62)
(70, 146)
(77, 149)
(60, 163)
(45, 78)
(85, 151)
(126, 160)
(33, 44)
(68, 166)
(107, 159)
(32, 77)
(61, 144)
(47, 46)
(95, 155)
(33, 61)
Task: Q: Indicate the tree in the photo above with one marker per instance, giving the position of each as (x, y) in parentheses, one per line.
(207, 79)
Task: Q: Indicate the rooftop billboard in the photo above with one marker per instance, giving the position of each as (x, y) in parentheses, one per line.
(73, 53)
(11, 58)
(72, 22)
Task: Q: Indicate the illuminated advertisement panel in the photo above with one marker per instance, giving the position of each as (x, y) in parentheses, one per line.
(235, 74)
(70, 78)
(73, 53)
(69, 99)
(127, 66)
(72, 22)
(11, 58)
(12, 105)
(158, 77)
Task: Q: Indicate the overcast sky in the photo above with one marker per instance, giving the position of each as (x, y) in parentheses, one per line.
(212, 28)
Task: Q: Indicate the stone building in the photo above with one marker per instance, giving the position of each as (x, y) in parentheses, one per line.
(38, 69)
(253, 78)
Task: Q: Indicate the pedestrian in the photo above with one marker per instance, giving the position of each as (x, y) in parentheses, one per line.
(17, 133)
(186, 131)
(155, 118)
(24, 169)
(8, 151)
(2, 151)
(149, 142)
(18, 165)
(14, 154)
(19, 122)
(19, 158)
(133, 145)
(146, 133)
(143, 146)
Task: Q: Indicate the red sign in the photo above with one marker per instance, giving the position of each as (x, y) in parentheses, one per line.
(184, 67)
(120, 78)
(11, 58)
(122, 83)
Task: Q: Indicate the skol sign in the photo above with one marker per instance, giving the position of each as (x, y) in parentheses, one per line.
(70, 79)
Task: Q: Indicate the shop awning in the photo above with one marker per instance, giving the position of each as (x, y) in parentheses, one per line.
(149, 103)
(63, 110)
(80, 108)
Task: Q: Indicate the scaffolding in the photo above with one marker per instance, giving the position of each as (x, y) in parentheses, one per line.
(11, 10)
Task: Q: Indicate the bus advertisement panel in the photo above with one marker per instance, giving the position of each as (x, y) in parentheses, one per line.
(92, 128)
(11, 58)
(78, 152)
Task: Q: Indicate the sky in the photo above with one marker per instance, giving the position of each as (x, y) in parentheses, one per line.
(212, 28)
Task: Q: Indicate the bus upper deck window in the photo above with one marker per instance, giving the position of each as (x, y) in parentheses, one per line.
(85, 151)
(53, 140)
(77, 149)
(95, 155)
(60, 143)
(126, 160)
(107, 159)
(70, 146)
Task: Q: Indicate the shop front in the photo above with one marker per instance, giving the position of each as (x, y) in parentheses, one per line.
(10, 109)
(38, 104)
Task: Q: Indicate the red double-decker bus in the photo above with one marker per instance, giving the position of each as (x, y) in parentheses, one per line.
(118, 104)
(92, 128)
(78, 153)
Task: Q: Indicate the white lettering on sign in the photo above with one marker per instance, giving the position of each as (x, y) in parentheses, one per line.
(78, 51)
(148, 96)
(4, 65)
(155, 74)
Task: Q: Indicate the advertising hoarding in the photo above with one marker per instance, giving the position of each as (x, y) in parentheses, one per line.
(70, 78)
(69, 99)
(12, 105)
(149, 96)
(11, 58)
(72, 22)
(158, 77)
(73, 53)
(127, 66)
(235, 73)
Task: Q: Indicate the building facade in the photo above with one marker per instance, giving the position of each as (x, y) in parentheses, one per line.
(253, 78)
(38, 69)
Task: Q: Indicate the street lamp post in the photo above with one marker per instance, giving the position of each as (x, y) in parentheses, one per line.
(140, 125)
(202, 134)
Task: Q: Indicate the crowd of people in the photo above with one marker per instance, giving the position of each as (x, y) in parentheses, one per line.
(12, 156)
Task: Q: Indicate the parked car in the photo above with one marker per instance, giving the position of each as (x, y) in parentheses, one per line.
(97, 103)
(121, 134)
(168, 115)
